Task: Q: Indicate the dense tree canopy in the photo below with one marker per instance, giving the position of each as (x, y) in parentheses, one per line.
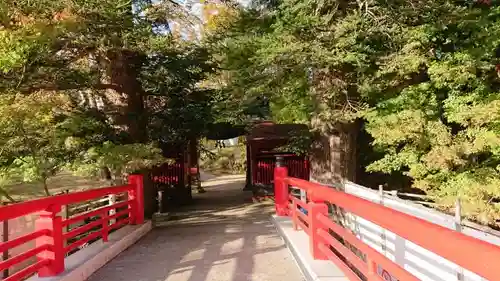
(420, 76)
(88, 85)
(419, 80)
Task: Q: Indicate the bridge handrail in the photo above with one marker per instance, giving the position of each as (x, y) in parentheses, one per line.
(472, 254)
(51, 244)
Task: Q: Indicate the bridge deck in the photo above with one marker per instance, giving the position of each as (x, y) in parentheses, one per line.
(223, 236)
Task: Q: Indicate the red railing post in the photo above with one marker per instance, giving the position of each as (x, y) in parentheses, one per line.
(137, 195)
(50, 220)
(316, 209)
(105, 226)
(280, 187)
(372, 270)
(294, 216)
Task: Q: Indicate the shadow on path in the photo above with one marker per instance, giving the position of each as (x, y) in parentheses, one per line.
(223, 236)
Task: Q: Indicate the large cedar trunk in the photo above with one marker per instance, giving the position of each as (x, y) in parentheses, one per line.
(333, 160)
(126, 99)
(333, 156)
(334, 150)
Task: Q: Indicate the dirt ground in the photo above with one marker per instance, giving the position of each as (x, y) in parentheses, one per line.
(57, 184)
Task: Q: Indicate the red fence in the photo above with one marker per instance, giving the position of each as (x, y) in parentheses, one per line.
(358, 261)
(172, 184)
(298, 167)
(169, 174)
(54, 238)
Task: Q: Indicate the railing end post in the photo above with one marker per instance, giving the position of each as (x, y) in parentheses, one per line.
(294, 216)
(316, 209)
(51, 220)
(280, 187)
(372, 270)
(137, 194)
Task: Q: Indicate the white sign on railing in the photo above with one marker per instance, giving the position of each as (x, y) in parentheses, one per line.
(385, 274)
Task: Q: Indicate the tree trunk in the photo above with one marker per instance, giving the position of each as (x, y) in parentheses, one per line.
(5, 194)
(125, 103)
(333, 155)
(333, 160)
(349, 150)
(45, 187)
(193, 163)
(248, 170)
(106, 173)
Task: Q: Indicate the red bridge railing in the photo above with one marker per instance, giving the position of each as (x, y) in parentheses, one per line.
(53, 239)
(298, 167)
(326, 236)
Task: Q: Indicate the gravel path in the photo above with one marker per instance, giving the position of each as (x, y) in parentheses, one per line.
(223, 237)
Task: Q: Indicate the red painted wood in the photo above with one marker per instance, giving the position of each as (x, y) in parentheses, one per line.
(294, 214)
(119, 223)
(33, 206)
(169, 174)
(315, 241)
(137, 195)
(264, 165)
(20, 275)
(82, 241)
(22, 239)
(303, 217)
(472, 254)
(328, 240)
(119, 214)
(48, 235)
(280, 190)
(22, 257)
(50, 220)
(82, 229)
(302, 226)
(299, 202)
(369, 251)
(95, 212)
(349, 273)
(105, 226)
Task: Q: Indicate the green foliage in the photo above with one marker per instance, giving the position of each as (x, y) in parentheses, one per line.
(299, 144)
(89, 84)
(31, 149)
(6, 179)
(435, 112)
(179, 108)
(119, 159)
(231, 160)
(421, 76)
(250, 83)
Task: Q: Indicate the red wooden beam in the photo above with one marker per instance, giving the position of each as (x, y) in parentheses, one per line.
(473, 254)
(33, 206)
